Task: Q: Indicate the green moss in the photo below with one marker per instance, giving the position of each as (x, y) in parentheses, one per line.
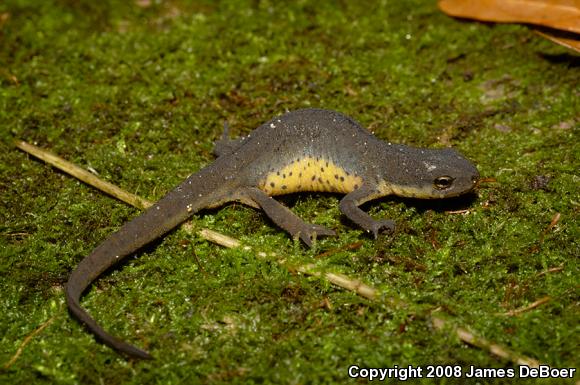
(138, 92)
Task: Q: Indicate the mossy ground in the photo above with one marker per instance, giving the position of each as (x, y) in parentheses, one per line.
(138, 91)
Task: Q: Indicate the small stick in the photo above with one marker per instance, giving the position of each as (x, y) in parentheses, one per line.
(550, 270)
(26, 340)
(531, 306)
(553, 223)
(469, 338)
(83, 175)
(485, 180)
(463, 211)
(219, 238)
(340, 280)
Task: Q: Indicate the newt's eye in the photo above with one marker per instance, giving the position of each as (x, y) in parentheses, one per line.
(443, 182)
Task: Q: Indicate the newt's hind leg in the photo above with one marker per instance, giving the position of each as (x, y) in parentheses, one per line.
(225, 145)
(286, 219)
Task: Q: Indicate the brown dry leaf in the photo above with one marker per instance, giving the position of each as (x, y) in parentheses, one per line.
(565, 41)
(558, 14)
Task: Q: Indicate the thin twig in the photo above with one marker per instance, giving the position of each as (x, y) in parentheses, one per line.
(340, 280)
(26, 340)
(83, 175)
(463, 211)
(481, 181)
(531, 306)
(553, 223)
(198, 262)
(471, 339)
(550, 270)
(220, 239)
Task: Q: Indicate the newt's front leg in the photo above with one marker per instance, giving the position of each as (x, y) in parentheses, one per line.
(286, 219)
(349, 205)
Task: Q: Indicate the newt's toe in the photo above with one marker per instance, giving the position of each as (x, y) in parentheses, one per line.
(385, 225)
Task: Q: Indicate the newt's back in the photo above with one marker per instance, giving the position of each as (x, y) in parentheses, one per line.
(306, 150)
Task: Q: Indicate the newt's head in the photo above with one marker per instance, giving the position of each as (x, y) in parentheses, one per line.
(432, 173)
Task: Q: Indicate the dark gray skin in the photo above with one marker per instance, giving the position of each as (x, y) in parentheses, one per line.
(238, 174)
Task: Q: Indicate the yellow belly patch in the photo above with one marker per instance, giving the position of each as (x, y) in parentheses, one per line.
(309, 174)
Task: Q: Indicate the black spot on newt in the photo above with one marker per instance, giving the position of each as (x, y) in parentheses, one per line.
(242, 172)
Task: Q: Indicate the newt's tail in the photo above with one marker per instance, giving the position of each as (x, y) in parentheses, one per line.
(166, 214)
(73, 291)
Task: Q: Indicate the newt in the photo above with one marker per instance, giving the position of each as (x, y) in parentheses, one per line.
(303, 150)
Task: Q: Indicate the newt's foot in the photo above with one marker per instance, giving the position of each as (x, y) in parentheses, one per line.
(382, 226)
(312, 232)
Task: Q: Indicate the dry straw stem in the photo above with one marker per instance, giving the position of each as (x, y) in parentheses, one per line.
(339, 280)
(26, 341)
(531, 306)
(83, 175)
(468, 337)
